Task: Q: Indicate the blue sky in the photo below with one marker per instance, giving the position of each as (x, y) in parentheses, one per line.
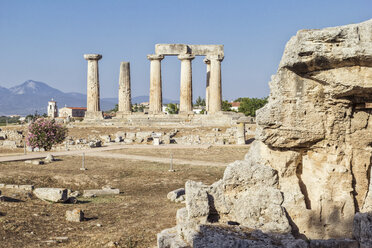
(45, 40)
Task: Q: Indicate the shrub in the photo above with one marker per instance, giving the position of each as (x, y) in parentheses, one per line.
(248, 106)
(44, 133)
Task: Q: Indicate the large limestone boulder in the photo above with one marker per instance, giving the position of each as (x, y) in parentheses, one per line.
(51, 194)
(308, 171)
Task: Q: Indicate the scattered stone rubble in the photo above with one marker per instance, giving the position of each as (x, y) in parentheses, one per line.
(232, 135)
(11, 139)
(307, 175)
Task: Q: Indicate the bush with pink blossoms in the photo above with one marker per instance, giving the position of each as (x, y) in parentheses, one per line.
(44, 133)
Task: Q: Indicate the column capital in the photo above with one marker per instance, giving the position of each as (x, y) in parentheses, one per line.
(218, 57)
(155, 57)
(92, 56)
(186, 56)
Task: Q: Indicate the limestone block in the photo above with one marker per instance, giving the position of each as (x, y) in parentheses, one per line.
(156, 141)
(197, 199)
(106, 138)
(131, 135)
(76, 215)
(37, 162)
(175, 195)
(176, 49)
(99, 192)
(26, 187)
(128, 141)
(362, 229)
(243, 172)
(166, 139)
(49, 158)
(223, 236)
(120, 134)
(9, 144)
(331, 243)
(143, 135)
(51, 194)
(169, 238)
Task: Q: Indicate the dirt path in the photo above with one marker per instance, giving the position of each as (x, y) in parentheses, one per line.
(156, 159)
(40, 155)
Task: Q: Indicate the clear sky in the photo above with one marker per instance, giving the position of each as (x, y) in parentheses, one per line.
(45, 40)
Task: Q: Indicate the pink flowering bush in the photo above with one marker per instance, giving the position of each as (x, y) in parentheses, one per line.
(44, 133)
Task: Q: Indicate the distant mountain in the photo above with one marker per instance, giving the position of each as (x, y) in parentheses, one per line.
(32, 96)
(34, 88)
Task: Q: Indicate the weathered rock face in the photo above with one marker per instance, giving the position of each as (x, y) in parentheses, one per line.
(315, 130)
(308, 172)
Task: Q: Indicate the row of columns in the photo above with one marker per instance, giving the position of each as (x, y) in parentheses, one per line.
(93, 98)
(213, 84)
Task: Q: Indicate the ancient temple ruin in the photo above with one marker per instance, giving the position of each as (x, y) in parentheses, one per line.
(306, 181)
(186, 53)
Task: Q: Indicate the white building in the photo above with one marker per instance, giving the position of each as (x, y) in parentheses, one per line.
(52, 109)
(72, 112)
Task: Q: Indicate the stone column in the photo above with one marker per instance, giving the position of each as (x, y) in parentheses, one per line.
(186, 83)
(215, 89)
(208, 63)
(93, 105)
(124, 106)
(155, 83)
(240, 134)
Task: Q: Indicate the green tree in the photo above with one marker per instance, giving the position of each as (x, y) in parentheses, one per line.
(248, 106)
(172, 108)
(116, 109)
(200, 101)
(226, 106)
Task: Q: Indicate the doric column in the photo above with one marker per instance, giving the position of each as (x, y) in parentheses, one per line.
(155, 83)
(208, 63)
(240, 134)
(186, 83)
(215, 89)
(93, 100)
(124, 89)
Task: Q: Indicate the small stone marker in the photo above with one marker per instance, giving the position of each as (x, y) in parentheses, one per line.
(76, 215)
(83, 163)
(171, 164)
(156, 138)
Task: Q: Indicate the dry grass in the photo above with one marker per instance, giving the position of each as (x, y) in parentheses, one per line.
(132, 218)
(225, 154)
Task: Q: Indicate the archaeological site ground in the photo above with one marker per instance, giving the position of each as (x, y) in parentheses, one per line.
(297, 175)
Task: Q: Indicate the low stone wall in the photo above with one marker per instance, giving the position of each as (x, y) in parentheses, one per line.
(11, 138)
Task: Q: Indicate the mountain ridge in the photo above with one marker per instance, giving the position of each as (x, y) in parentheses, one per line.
(31, 96)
